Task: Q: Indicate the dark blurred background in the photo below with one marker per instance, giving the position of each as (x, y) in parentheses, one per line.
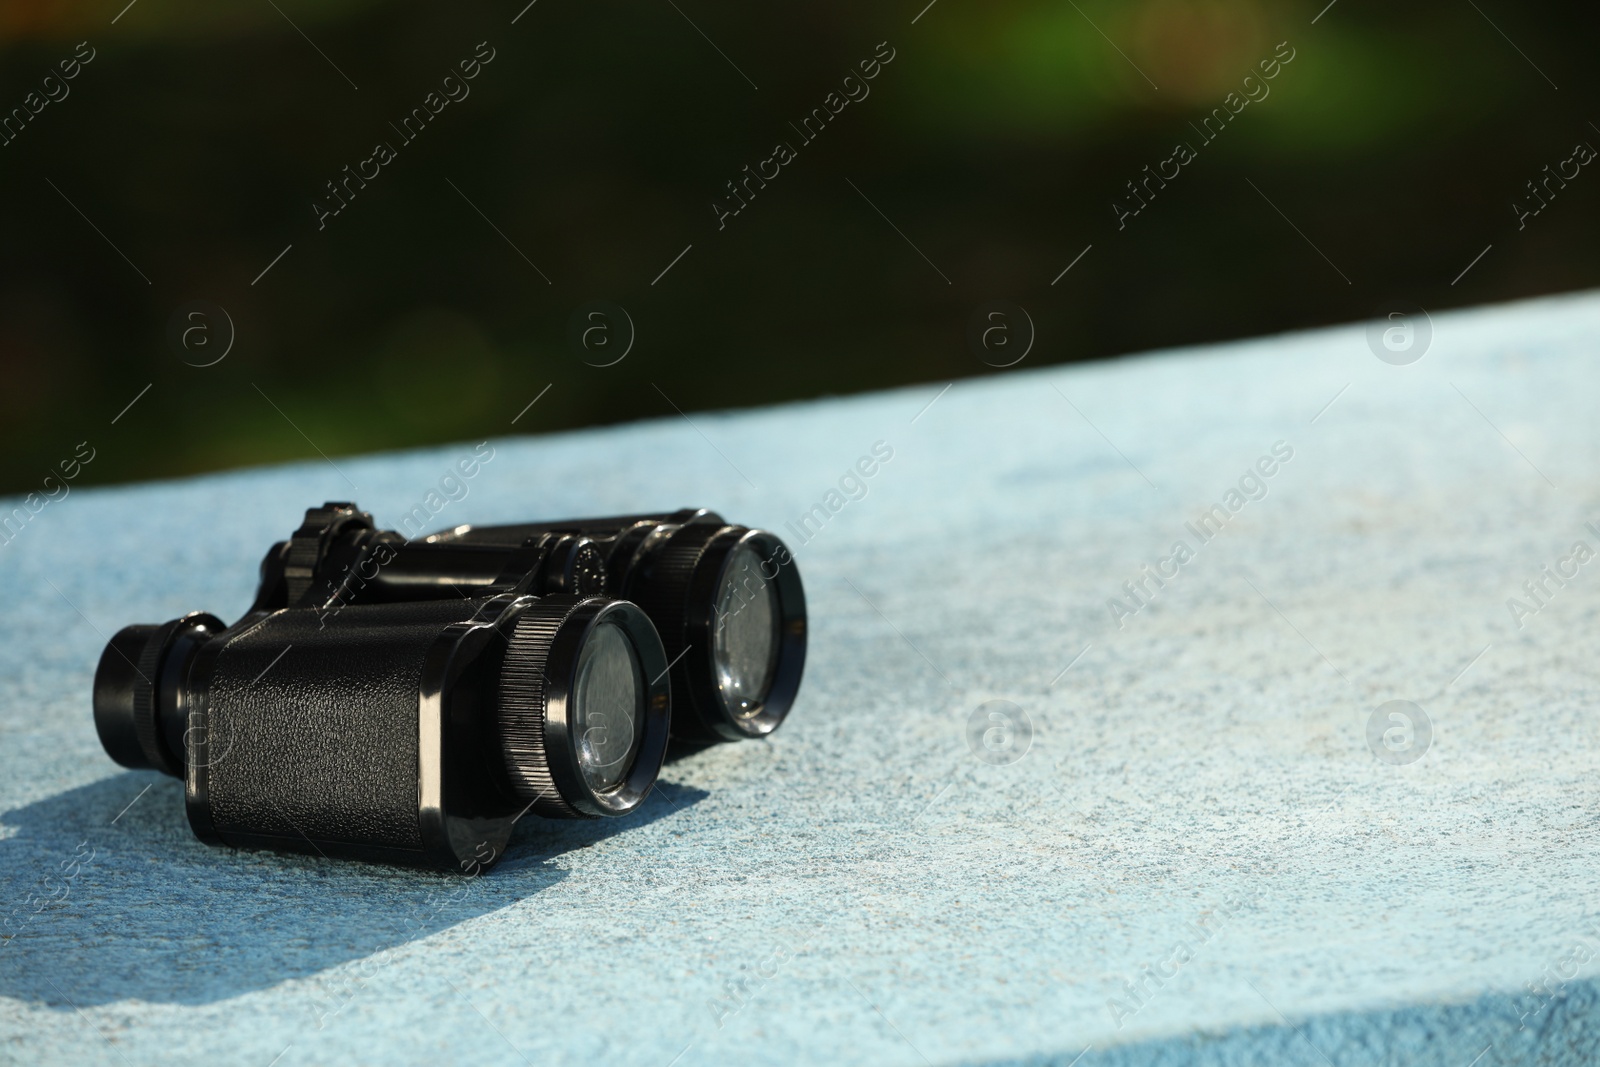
(187, 155)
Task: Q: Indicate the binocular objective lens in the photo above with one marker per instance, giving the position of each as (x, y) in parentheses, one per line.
(608, 706)
(745, 640)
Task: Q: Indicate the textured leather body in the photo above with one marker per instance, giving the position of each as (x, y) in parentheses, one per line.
(313, 728)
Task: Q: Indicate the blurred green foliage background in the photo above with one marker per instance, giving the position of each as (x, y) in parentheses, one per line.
(200, 135)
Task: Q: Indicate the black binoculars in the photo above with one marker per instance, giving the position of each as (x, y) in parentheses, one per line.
(408, 700)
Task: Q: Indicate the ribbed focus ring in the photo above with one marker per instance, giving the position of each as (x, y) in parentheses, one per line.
(663, 592)
(521, 717)
(309, 544)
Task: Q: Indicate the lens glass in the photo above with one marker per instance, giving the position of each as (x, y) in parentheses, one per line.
(608, 701)
(745, 640)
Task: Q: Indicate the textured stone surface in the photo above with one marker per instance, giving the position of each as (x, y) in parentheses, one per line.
(863, 888)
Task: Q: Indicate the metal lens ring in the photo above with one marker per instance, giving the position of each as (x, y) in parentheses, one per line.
(746, 629)
(585, 706)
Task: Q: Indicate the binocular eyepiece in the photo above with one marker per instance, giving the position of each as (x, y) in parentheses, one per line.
(408, 700)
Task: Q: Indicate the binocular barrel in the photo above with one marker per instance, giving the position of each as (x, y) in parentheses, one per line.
(414, 732)
(727, 600)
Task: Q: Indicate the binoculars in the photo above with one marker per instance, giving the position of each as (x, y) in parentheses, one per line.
(408, 700)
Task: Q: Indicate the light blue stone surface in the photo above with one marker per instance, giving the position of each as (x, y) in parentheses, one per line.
(862, 889)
